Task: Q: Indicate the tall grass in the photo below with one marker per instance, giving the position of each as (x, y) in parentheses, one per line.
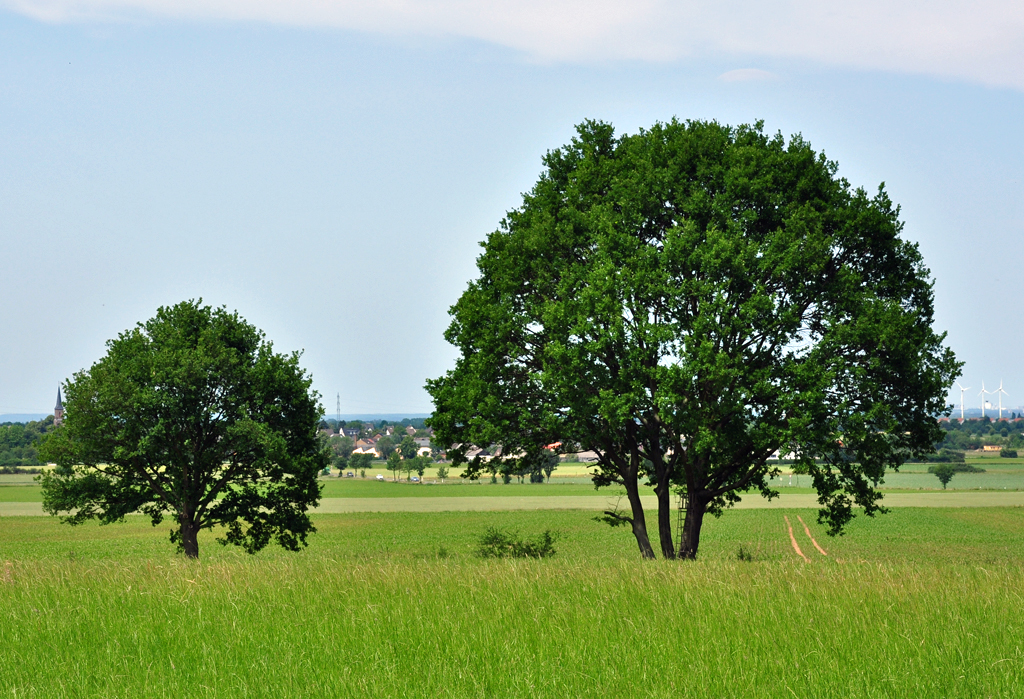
(371, 610)
(537, 628)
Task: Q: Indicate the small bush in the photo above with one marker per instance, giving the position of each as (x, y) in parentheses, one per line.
(496, 543)
(1008, 453)
(744, 555)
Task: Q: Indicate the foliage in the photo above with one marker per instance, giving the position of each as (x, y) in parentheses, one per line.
(498, 543)
(19, 442)
(956, 467)
(394, 464)
(385, 446)
(687, 301)
(1008, 453)
(442, 472)
(419, 464)
(942, 456)
(341, 450)
(973, 433)
(191, 413)
(408, 448)
(944, 472)
(360, 462)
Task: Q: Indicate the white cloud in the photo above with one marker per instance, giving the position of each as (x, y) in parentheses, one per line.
(974, 40)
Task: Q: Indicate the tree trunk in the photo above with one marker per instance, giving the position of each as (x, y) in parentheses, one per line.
(639, 521)
(691, 529)
(189, 538)
(664, 494)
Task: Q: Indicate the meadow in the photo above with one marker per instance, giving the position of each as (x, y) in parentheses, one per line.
(919, 602)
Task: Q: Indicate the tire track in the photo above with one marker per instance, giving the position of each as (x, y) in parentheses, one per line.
(792, 539)
(820, 550)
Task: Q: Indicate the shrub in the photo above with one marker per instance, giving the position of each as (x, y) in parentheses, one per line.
(1008, 453)
(496, 543)
(960, 468)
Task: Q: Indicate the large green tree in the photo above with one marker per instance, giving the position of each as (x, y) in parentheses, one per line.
(191, 414)
(686, 302)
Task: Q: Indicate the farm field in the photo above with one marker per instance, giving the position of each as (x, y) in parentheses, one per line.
(553, 497)
(919, 602)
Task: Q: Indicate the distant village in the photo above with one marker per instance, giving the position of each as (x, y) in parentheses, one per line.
(379, 440)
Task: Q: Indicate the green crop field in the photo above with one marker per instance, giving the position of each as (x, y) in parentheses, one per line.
(919, 602)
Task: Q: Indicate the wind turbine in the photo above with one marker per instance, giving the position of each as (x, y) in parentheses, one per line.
(1001, 393)
(982, 394)
(962, 390)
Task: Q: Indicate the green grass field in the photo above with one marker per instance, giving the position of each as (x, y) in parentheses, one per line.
(919, 602)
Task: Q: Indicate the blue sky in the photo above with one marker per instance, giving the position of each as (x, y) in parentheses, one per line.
(328, 169)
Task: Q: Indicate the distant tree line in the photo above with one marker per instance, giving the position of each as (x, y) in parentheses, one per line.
(974, 434)
(19, 442)
(364, 426)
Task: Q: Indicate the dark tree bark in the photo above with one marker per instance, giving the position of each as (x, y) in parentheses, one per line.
(664, 494)
(691, 529)
(639, 522)
(189, 537)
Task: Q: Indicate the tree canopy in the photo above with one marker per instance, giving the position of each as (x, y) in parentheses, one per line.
(191, 413)
(687, 302)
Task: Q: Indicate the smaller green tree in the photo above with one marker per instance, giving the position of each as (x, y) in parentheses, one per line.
(408, 448)
(944, 472)
(549, 462)
(394, 464)
(442, 472)
(360, 462)
(419, 464)
(191, 415)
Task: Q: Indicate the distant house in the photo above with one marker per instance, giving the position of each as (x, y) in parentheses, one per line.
(410, 430)
(991, 447)
(352, 432)
(365, 446)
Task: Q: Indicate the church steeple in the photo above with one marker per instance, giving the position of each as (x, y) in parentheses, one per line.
(58, 411)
